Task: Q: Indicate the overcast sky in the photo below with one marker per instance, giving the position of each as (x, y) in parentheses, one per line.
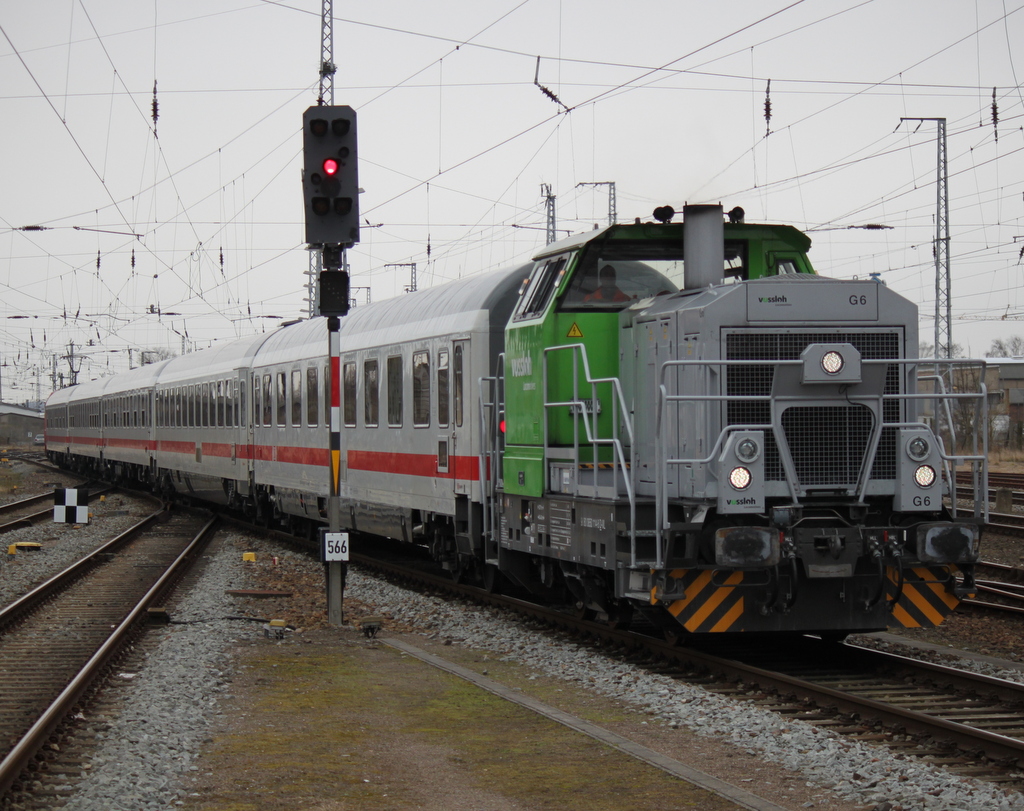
(193, 233)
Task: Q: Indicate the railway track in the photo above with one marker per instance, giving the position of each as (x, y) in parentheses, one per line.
(26, 512)
(59, 638)
(997, 481)
(970, 723)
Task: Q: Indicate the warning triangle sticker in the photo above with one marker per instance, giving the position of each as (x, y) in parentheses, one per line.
(574, 331)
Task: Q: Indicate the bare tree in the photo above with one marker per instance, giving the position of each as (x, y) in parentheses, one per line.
(147, 356)
(1012, 347)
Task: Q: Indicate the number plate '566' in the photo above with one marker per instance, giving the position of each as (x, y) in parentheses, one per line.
(333, 546)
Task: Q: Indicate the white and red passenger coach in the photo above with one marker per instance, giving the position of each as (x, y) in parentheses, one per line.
(247, 422)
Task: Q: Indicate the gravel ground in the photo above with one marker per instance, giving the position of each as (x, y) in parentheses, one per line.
(172, 705)
(145, 755)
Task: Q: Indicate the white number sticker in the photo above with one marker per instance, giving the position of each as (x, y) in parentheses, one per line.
(335, 546)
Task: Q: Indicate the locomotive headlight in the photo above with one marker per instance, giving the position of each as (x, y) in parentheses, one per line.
(747, 450)
(924, 476)
(832, 362)
(740, 478)
(918, 448)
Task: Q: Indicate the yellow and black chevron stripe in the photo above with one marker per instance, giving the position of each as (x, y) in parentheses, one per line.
(708, 607)
(925, 601)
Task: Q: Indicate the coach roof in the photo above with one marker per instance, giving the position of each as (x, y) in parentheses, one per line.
(460, 306)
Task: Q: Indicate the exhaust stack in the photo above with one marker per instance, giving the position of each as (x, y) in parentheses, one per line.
(703, 246)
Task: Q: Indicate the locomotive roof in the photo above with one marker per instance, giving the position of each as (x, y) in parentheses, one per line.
(787, 234)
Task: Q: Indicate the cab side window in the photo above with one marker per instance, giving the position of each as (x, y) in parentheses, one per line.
(541, 286)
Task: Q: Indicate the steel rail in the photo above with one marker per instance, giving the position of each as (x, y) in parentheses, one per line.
(32, 741)
(60, 581)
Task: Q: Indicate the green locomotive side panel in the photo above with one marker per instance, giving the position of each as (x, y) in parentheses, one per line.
(523, 470)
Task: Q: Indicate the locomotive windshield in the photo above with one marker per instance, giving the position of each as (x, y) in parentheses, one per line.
(612, 274)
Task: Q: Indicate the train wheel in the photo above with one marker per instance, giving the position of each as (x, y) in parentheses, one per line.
(582, 611)
(675, 638)
(620, 616)
(492, 579)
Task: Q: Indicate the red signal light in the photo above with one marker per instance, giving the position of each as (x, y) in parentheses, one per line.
(501, 426)
(330, 167)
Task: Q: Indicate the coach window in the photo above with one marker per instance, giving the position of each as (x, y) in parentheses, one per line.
(256, 400)
(296, 393)
(348, 375)
(458, 386)
(421, 389)
(395, 391)
(282, 400)
(371, 393)
(443, 405)
(220, 403)
(268, 402)
(312, 397)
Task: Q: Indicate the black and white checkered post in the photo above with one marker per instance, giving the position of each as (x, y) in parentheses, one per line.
(70, 506)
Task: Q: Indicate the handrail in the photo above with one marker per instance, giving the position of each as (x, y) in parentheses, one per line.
(578, 409)
(489, 457)
(977, 461)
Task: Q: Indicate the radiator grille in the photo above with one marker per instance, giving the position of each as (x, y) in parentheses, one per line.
(827, 442)
(820, 438)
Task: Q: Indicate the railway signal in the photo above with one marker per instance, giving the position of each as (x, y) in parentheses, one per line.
(330, 179)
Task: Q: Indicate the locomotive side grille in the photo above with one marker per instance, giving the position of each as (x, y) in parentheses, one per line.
(814, 439)
(843, 430)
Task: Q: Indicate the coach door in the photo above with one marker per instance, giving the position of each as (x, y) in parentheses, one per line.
(460, 460)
